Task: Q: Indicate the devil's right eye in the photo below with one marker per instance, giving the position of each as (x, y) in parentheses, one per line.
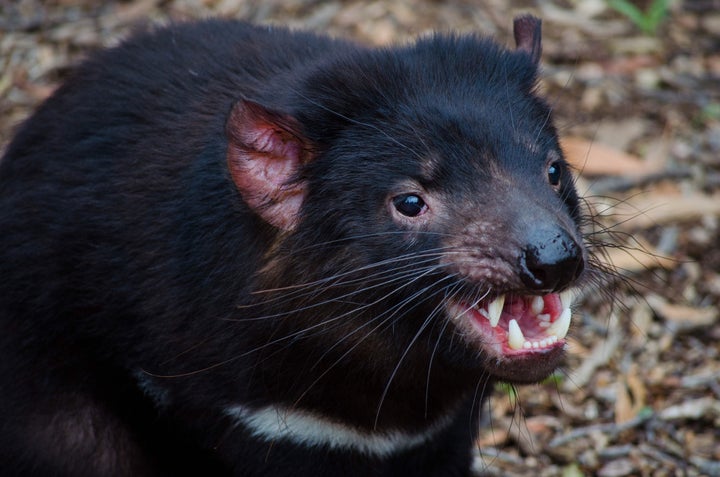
(555, 173)
(410, 205)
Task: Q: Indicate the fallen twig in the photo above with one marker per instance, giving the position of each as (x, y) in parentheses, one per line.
(608, 428)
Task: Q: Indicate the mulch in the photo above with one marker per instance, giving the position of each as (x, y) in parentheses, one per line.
(640, 117)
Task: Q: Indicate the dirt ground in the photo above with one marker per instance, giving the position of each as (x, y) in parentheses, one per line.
(640, 115)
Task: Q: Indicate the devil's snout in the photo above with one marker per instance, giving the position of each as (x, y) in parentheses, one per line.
(551, 260)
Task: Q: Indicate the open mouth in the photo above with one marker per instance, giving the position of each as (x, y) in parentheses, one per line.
(514, 325)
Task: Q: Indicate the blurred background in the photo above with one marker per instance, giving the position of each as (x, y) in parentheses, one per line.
(635, 86)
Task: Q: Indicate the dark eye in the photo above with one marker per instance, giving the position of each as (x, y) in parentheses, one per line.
(554, 173)
(409, 205)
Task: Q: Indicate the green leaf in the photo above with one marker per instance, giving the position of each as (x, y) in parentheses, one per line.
(656, 13)
(629, 10)
(647, 21)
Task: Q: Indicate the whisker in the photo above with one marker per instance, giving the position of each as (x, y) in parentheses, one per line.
(479, 397)
(445, 324)
(304, 331)
(432, 253)
(422, 328)
(375, 318)
(382, 322)
(310, 289)
(385, 282)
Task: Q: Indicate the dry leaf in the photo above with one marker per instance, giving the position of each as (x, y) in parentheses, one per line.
(637, 389)
(682, 316)
(593, 159)
(660, 209)
(638, 258)
(631, 396)
(623, 404)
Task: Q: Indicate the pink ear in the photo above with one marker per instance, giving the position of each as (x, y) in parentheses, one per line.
(265, 152)
(527, 30)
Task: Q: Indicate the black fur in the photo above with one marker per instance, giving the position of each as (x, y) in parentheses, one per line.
(126, 251)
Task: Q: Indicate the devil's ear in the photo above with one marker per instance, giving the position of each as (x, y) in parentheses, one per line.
(527, 30)
(265, 152)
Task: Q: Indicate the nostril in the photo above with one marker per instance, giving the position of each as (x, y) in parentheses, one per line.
(551, 262)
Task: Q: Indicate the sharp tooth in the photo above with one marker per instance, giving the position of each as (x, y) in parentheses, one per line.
(495, 308)
(537, 305)
(560, 326)
(515, 335)
(567, 297)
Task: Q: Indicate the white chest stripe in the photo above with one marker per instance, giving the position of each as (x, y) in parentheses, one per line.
(304, 428)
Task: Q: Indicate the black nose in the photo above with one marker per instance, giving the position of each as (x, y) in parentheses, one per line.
(551, 260)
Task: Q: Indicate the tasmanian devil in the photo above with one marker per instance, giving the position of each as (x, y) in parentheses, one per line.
(231, 249)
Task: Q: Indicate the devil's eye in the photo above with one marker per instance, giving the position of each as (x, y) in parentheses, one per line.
(410, 205)
(554, 173)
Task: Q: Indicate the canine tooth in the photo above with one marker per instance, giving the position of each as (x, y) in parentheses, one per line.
(495, 308)
(537, 305)
(560, 327)
(515, 335)
(567, 297)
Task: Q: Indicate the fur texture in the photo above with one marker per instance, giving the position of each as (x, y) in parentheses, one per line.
(210, 217)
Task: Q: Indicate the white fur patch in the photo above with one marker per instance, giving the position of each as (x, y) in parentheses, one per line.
(311, 430)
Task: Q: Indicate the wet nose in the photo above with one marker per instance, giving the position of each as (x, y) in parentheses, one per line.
(551, 260)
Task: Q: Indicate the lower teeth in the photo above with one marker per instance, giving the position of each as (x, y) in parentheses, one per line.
(544, 343)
